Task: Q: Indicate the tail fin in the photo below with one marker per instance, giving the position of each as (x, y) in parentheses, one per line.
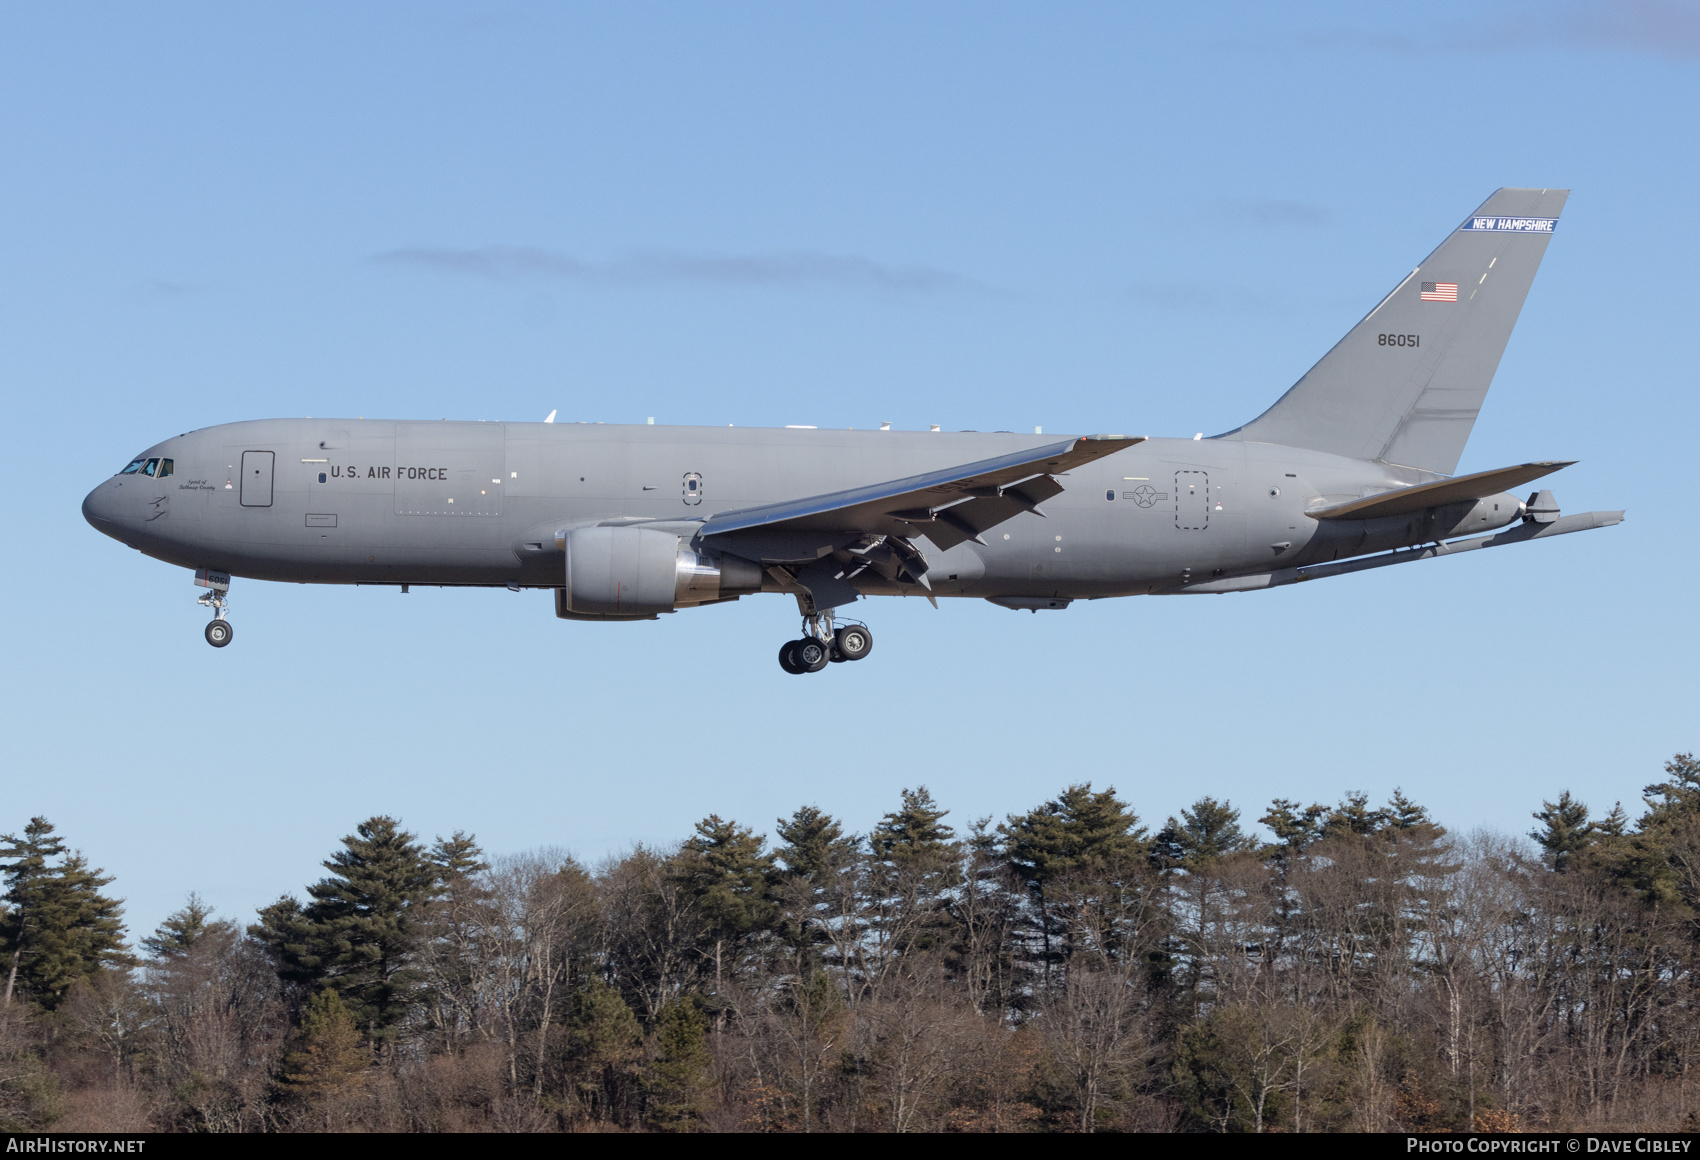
(1405, 385)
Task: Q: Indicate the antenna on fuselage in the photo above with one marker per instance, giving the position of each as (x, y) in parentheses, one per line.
(550, 418)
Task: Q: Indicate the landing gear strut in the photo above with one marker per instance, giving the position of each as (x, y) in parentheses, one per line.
(219, 631)
(822, 644)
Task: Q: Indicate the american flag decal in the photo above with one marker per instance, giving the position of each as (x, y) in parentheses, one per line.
(1440, 292)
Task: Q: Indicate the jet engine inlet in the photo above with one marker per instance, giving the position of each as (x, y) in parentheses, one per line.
(633, 571)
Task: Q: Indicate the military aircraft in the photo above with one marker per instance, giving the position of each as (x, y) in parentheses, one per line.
(1351, 469)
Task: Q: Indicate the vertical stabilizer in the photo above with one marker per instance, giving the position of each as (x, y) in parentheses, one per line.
(1405, 385)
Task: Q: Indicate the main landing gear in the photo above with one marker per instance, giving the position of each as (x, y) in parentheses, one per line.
(821, 644)
(216, 597)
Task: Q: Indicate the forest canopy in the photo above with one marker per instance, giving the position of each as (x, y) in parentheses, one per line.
(1352, 966)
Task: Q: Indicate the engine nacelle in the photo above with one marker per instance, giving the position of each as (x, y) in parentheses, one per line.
(636, 571)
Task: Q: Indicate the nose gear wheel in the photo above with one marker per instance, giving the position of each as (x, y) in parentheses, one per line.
(219, 631)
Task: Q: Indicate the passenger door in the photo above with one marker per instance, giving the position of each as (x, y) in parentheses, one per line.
(257, 478)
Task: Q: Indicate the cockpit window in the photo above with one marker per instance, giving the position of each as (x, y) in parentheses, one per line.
(158, 468)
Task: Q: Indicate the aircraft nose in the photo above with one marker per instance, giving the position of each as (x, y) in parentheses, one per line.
(98, 508)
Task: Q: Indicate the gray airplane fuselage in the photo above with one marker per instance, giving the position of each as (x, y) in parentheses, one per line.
(470, 503)
(1353, 463)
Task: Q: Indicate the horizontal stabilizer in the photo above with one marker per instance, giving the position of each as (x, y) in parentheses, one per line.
(1586, 522)
(1406, 500)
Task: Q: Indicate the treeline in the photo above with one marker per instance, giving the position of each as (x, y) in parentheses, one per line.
(1067, 969)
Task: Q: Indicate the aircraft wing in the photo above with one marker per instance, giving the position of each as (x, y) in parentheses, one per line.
(1406, 500)
(947, 506)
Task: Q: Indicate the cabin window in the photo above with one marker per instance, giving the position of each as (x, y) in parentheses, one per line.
(166, 467)
(135, 466)
(150, 467)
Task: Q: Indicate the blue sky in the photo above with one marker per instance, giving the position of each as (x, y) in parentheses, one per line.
(1086, 217)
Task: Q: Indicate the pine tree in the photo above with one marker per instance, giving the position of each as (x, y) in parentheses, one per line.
(1614, 824)
(57, 927)
(1076, 830)
(1353, 816)
(182, 929)
(450, 932)
(1404, 814)
(1208, 831)
(329, 1060)
(26, 885)
(1077, 833)
(1395, 850)
(915, 850)
(678, 1086)
(815, 844)
(604, 1050)
(816, 886)
(723, 868)
(1295, 827)
(361, 931)
(914, 861)
(457, 858)
(915, 833)
(1656, 860)
(1565, 831)
(1676, 798)
(1185, 852)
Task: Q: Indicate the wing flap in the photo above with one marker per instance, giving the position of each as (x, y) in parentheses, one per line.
(1406, 500)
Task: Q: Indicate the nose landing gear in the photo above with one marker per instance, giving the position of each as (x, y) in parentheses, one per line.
(821, 644)
(217, 584)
